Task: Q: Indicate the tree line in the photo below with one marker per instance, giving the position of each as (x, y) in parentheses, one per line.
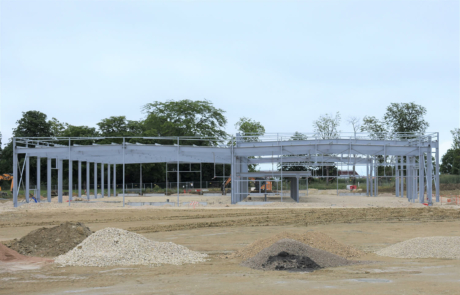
(202, 118)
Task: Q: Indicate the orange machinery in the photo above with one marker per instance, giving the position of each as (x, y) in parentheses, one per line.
(7, 177)
(267, 184)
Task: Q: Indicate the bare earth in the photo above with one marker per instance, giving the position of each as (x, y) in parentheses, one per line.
(366, 223)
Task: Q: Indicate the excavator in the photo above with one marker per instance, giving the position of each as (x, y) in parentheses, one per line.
(265, 184)
(7, 177)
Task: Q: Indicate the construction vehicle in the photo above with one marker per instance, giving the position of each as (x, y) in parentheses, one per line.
(257, 181)
(7, 177)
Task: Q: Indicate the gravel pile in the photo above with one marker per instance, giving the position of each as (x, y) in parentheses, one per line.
(430, 247)
(52, 241)
(293, 255)
(313, 239)
(113, 246)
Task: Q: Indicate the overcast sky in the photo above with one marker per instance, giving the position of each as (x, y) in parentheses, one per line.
(280, 63)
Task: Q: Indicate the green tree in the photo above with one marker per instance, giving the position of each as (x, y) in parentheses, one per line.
(57, 128)
(405, 117)
(374, 127)
(326, 127)
(33, 124)
(119, 126)
(455, 138)
(450, 162)
(185, 118)
(249, 129)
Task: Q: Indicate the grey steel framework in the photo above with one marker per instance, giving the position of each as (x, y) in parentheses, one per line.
(407, 155)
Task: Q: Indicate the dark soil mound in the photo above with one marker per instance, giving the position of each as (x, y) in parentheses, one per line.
(290, 262)
(292, 255)
(50, 242)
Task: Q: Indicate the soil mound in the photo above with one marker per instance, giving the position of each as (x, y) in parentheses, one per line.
(50, 242)
(313, 239)
(114, 246)
(9, 255)
(291, 255)
(429, 247)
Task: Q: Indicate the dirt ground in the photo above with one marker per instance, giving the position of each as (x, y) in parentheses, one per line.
(368, 224)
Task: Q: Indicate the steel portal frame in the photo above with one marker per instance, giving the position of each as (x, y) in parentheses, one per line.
(404, 152)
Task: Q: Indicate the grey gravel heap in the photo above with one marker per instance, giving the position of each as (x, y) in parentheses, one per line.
(287, 254)
(113, 246)
(430, 247)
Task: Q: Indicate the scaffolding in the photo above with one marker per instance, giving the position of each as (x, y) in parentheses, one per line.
(409, 156)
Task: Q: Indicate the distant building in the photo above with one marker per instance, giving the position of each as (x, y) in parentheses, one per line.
(348, 173)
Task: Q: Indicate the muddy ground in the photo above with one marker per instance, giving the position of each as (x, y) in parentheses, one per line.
(218, 231)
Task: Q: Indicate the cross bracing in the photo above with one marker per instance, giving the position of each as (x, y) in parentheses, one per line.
(310, 151)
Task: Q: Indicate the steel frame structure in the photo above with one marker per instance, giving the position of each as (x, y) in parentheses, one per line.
(409, 156)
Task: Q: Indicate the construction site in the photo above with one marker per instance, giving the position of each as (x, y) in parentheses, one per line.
(267, 230)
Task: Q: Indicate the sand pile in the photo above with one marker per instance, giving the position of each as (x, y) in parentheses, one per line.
(313, 239)
(50, 242)
(430, 247)
(9, 255)
(113, 246)
(291, 255)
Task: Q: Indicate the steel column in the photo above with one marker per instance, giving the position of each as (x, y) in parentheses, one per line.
(102, 179)
(422, 178)
(108, 180)
(15, 175)
(429, 173)
(27, 178)
(436, 175)
(48, 179)
(38, 179)
(371, 180)
(114, 180)
(367, 177)
(95, 180)
(402, 176)
(396, 176)
(408, 178)
(124, 147)
(376, 179)
(79, 179)
(178, 152)
(70, 181)
(88, 185)
(60, 172)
